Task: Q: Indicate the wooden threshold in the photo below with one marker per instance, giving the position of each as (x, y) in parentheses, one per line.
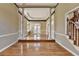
(36, 41)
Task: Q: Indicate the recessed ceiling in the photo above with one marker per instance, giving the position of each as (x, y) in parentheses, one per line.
(36, 5)
(37, 11)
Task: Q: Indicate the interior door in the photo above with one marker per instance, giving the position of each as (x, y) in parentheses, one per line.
(37, 32)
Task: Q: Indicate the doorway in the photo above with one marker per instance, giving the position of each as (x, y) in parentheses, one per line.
(37, 27)
(37, 31)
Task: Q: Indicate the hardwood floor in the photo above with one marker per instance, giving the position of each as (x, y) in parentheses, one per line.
(35, 49)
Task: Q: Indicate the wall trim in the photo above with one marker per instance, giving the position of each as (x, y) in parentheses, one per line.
(63, 45)
(4, 35)
(72, 9)
(66, 17)
(62, 34)
(8, 46)
(67, 49)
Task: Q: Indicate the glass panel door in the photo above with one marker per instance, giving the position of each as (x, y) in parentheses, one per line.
(36, 31)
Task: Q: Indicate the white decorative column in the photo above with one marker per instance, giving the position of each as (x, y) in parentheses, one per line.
(50, 26)
(22, 25)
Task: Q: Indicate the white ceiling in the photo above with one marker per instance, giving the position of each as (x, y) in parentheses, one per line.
(29, 5)
(37, 13)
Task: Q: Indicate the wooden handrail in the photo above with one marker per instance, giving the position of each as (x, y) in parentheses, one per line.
(74, 32)
(73, 23)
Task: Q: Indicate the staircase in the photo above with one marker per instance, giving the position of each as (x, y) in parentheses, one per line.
(73, 28)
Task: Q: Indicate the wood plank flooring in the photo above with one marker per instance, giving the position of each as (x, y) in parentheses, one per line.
(35, 49)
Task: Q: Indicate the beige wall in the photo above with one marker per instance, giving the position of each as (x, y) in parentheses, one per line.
(9, 23)
(60, 12)
(8, 19)
(43, 27)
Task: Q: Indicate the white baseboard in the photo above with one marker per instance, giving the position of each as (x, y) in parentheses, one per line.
(8, 46)
(61, 34)
(63, 45)
(22, 38)
(4, 35)
(67, 49)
